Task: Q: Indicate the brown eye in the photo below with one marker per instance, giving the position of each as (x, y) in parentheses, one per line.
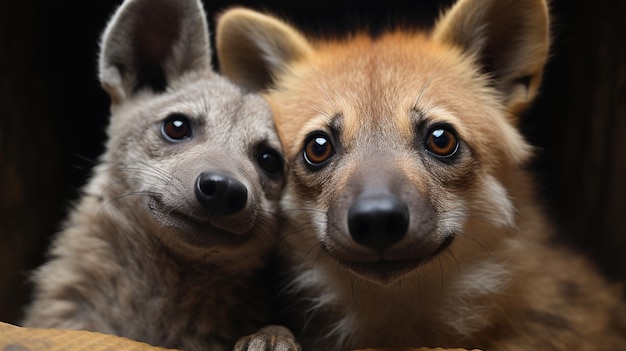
(176, 127)
(441, 141)
(318, 149)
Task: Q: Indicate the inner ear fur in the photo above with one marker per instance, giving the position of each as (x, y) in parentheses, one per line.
(253, 48)
(509, 38)
(149, 43)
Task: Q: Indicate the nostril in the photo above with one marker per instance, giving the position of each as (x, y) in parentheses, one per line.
(208, 187)
(237, 201)
(397, 222)
(220, 193)
(378, 222)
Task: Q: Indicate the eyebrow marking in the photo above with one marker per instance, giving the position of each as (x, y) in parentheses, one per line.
(336, 124)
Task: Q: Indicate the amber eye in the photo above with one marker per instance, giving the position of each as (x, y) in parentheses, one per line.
(176, 127)
(442, 141)
(318, 149)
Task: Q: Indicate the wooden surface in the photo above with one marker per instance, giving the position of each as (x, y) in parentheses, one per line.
(415, 349)
(14, 338)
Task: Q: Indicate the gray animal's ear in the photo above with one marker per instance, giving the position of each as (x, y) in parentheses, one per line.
(253, 48)
(149, 43)
(509, 38)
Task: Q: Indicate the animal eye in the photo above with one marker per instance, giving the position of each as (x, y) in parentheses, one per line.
(176, 127)
(442, 141)
(271, 162)
(318, 149)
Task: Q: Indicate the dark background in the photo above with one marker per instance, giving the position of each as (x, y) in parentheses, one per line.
(53, 114)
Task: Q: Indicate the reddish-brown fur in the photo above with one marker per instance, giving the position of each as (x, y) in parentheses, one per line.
(476, 266)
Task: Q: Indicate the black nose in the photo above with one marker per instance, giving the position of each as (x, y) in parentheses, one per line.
(221, 194)
(378, 222)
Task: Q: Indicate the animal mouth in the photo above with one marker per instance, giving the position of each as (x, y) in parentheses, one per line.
(386, 271)
(195, 231)
(382, 271)
(202, 233)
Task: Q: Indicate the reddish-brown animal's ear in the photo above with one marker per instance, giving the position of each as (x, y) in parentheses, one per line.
(253, 48)
(510, 38)
(149, 43)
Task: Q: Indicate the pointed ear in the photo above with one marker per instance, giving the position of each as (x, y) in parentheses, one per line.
(510, 39)
(149, 43)
(253, 48)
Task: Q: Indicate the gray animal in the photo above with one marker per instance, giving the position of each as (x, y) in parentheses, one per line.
(169, 242)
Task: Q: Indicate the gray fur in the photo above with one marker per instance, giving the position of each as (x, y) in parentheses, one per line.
(139, 256)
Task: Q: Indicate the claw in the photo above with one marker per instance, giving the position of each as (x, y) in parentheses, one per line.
(270, 338)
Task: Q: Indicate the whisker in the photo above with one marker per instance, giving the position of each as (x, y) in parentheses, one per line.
(355, 291)
(316, 110)
(457, 264)
(92, 162)
(303, 258)
(464, 233)
(408, 287)
(422, 89)
(441, 278)
(429, 80)
(123, 196)
(481, 217)
(324, 91)
(150, 173)
(302, 209)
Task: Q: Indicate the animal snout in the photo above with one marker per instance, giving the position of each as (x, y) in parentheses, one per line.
(221, 194)
(378, 222)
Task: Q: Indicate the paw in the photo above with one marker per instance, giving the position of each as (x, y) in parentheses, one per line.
(271, 338)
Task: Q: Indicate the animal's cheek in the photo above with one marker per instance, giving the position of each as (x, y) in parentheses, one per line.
(312, 186)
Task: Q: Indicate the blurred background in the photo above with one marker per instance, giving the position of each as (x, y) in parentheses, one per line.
(53, 116)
